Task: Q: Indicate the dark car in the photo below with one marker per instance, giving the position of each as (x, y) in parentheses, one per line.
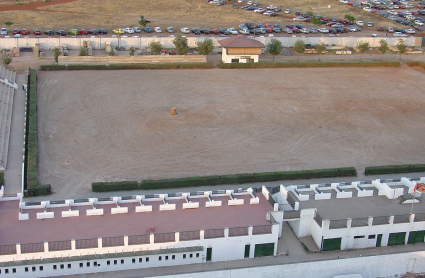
(37, 32)
(277, 30)
(235, 6)
(102, 31)
(93, 32)
(61, 32)
(196, 31)
(297, 13)
(250, 25)
(49, 32)
(205, 31)
(224, 31)
(333, 31)
(147, 29)
(256, 31)
(278, 26)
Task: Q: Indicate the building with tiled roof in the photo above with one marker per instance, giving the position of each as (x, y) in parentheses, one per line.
(240, 50)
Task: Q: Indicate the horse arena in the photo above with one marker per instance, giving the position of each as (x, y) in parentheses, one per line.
(117, 125)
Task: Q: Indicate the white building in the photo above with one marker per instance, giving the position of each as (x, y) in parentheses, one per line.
(239, 49)
(54, 238)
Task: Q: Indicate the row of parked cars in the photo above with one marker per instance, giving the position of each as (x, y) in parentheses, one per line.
(17, 32)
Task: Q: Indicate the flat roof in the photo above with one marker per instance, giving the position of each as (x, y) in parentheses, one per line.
(355, 207)
(34, 230)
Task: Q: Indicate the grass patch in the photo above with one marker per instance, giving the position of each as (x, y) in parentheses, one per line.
(354, 64)
(127, 66)
(1, 178)
(31, 142)
(416, 64)
(394, 169)
(225, 179)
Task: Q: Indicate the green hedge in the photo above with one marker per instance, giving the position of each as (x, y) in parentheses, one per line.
(394, 169)
(416, 64)
(40, 190)
(225, 179)
(356, 64)
(1, 178)
(128, 66)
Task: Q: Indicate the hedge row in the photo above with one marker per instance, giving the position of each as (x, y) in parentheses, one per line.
(416, 64)
(128, 66)
(40, 190)
(1, 178)
(225, 179)
(356, 64)
(394, 169)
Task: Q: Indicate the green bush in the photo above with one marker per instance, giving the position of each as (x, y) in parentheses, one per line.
(40, 190)
(416, 64)
(114, 186)
(1, 178)
(307, 65)
(394, 169)
(127, 66)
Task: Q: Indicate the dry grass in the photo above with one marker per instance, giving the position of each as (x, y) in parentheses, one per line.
(111, 14)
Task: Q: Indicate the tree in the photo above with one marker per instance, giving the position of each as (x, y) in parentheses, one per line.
(383, 47)
(320, 48)
(8, 23)
(143, 21)
(274, 47)
(56, 53)
(402, 48)
(111, 52)
(132, 51)
(316, 21)
(362, 47)
(181, 44)
(349, 17)
(299, 47)
(310, 13)
(6, 59)
(205, 47)
(156, 47)
(84, 51)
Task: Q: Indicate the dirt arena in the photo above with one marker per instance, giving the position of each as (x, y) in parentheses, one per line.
(116, 125)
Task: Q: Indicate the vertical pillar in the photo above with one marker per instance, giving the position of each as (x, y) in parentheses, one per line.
(250, 228)
(226, 232)
(412, 218)
(391, 219)
(18, 249)
(73, 244)
(349, 221)
(201, 234)
(177, 236)
(252, 250)
(125, 240)
(99, 242)
(369, 221)
(151, 238)
(46, 247)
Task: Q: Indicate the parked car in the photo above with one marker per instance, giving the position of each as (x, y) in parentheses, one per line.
(205, 31)
(215, 31)
(418, 22)
(244, 31)
(390, 29)
(25, 32)
(117, 31)
(128, 30)
(255, 4)
(137, 29)
(17, 36)
(399, 34)
(370, 24)
(16, 31)
(287, 11)
(224, 31)
(185, 30)
(102, 31)
(359, 23)
(61, 32)
(169, 29)
(232, 31)
(410, 31)
(147, 29)
(93, 32)
(3, 31)
(83, 32)
(36, 32)
(381, 28)
(323, 30)
(157, 29)
(49, 32)
(196, 31)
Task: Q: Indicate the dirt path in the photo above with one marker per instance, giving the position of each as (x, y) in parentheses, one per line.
(34, 6)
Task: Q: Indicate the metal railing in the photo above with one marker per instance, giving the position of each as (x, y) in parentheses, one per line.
(189, 235)
(381, 220)
(338, 224)
(139, 239)
(291, 214)
(32, 247)
(7, 249)
(86, 243)
(238, 231)
(286, 207)
(419, 217)
(263, 229)
(112, 241)
(59, 245)
(213, 233)
(404, 218)
(59, 202)
(359, 222)
(165, 237)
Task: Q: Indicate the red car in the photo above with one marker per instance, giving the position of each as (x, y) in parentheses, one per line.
(350, 3)
(83, 32)
(25, 32)
(269, 30)
(381, 28)
(16, 31)
(215, 31)
(268, 26)
(325, 18)
(37, 32)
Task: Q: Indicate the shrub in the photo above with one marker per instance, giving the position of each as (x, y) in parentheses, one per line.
(114, 186)
(308, 65)
(1, 178)
(40, 190)
(128, 66)
(416, 64)
(394, 169)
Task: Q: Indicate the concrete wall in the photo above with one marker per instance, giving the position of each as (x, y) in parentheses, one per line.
(373, 266)
(98, 42)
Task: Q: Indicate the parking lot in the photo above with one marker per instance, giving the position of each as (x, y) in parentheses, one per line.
(103, 126)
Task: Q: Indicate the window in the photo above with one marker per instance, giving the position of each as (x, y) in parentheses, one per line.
(147, 259)
(184, 256)
(173, 257)
(159, 258)
(122, 261)
(69, 265)
(88, 264)
(133, 260)
(41, 268)
(197, 255)
(33, 268)
(13, 270)
(108, 262)
(191, 256)
(115, 261)
(140, 260)
(62, 266)
(55, 267)
(81, 264)
(358, 236)
(371, 236)
(95, 263)
(235, 60)
(166, 258)
(6, 271)
(26, 269)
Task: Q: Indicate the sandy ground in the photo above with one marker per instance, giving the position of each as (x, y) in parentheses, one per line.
(110, 126)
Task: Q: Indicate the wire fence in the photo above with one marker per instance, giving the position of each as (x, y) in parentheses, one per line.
(359, 222)
(338, 224)
(381, 220)
(86, 243)
(404, 218)
(32, 247)
(263, 229)
(214, 233)
(112, 241)
(139, 239)
(419, 217)
(189, 235)
(165, 237)
(238, 231)
(59, 245)
(7, 249)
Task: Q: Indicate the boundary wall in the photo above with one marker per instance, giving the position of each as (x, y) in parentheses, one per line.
(99, 42)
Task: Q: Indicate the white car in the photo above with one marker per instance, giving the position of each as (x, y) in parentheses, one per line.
(410, 17)
(169, 29)
(343, 1)
(287, 11)
(418, 22)
(393, 12)
(298, 18)
(249, 3)
(271, 7)
(323, 30)
(157, 29)
(240, 1)
(3, 31)
(232, 31)
(137, 29)
(399, 34)
(129, 30)
(185, 30)
(259, 10)
(305, 30)
(410, 31)
(370, 24)
(244, 31)
(367, 9)
(359, 23)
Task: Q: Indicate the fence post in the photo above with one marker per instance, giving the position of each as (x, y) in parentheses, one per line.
(177, 236)
(18, 249)
(125, 240)
(391, 219)
(250, 229)
(349, 221)
(73, 244)
(46, 247)
(369, 220)
(412, 218)
(151, 238)
(226, 232)
(201, 234)
(99, 242)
